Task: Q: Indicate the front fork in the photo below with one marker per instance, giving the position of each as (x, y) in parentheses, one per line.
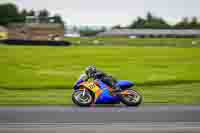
(83, 94)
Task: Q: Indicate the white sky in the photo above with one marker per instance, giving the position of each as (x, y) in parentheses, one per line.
(112, 12)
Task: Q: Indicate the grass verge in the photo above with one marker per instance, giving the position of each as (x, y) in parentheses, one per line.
(44, 75)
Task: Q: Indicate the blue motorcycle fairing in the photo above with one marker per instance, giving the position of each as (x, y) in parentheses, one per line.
(106, 97)
(124, 84)
(76, 86)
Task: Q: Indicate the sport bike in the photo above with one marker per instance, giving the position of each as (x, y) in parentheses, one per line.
(97, 92)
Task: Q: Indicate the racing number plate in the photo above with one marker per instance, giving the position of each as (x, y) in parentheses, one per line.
(91, 86)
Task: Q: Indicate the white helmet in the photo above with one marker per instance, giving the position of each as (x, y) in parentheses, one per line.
(90, 70)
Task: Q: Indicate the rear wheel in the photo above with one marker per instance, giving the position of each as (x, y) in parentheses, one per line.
(81, 99)
(132, 99)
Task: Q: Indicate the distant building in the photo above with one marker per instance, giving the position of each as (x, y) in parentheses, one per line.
(3, 33)
(36, 31)
(132, 33)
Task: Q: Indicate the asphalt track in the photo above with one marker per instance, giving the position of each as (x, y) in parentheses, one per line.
(144, 119)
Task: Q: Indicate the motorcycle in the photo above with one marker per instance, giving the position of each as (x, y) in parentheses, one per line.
(97, 92)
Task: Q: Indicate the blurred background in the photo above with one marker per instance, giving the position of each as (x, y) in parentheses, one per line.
(152, 43)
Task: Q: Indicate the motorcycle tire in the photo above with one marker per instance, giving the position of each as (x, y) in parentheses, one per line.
(78, 101)
(134, 103)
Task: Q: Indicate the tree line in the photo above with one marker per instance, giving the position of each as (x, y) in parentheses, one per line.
(154, 22)
(10, 13)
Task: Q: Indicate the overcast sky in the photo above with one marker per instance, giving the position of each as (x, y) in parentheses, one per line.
(112, 12)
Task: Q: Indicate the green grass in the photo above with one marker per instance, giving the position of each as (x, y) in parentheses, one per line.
(124, 41)
(45, 75)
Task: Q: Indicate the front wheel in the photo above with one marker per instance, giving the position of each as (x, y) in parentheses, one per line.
(132, 99)
(82, 99)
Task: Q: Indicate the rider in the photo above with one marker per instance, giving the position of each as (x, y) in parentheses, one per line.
(92, 72)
